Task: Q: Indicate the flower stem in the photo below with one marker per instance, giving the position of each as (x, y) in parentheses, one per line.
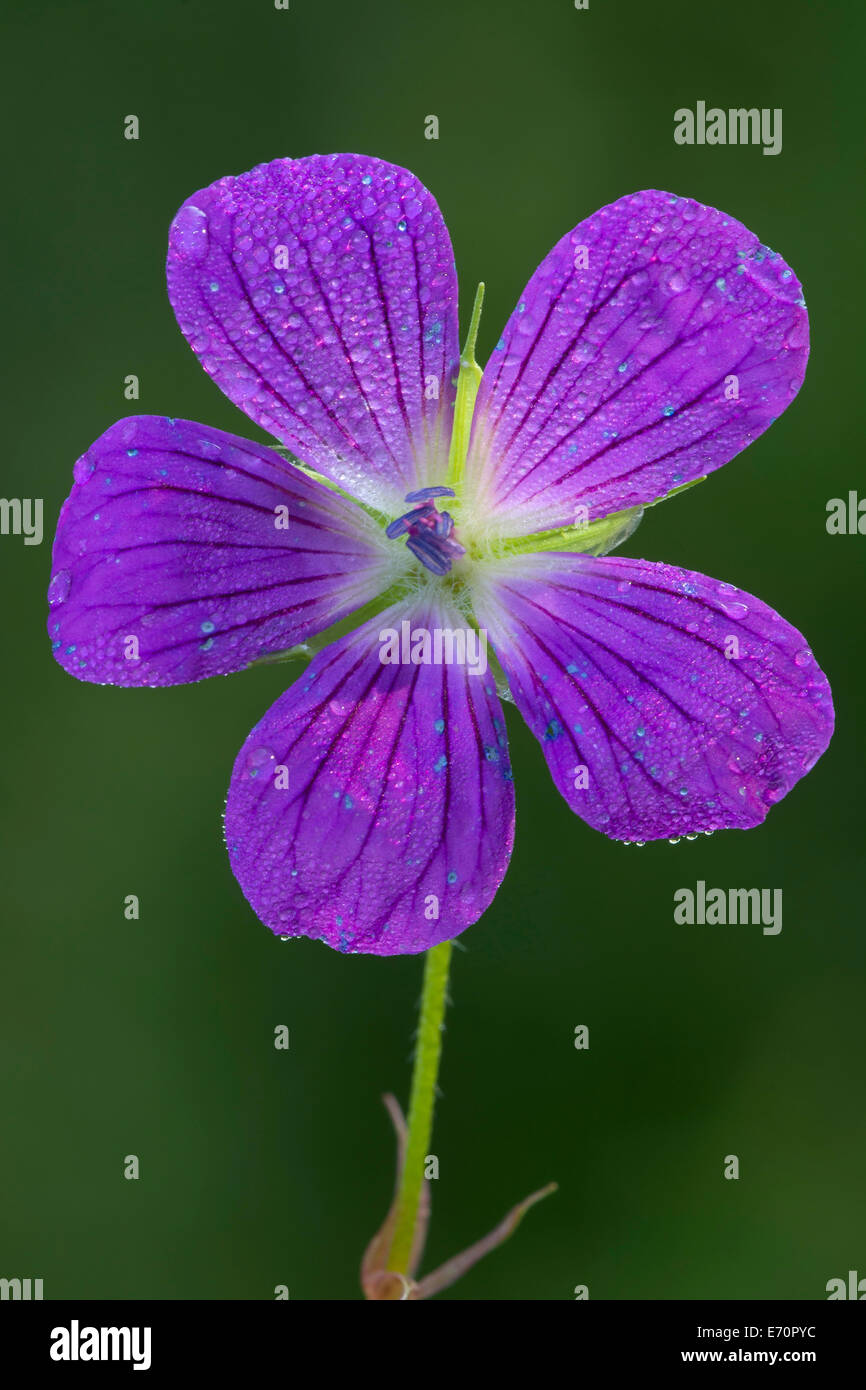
(425, 1071)
(468, 381)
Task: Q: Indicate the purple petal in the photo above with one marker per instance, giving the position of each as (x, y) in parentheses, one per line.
(396, 826)
(655, 342)
(321, 296)
(171, 562)
(620, 669)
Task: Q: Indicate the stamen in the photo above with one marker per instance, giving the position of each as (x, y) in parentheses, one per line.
(424, 493)
(404, 523)
(428, 555)
(429, 534)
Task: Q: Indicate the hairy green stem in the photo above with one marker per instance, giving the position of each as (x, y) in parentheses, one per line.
(428, 1050)
(468, 381)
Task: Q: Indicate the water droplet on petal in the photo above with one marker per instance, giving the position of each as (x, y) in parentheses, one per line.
(256, 759)
(735, 610)
(58, 589)
(189, 232)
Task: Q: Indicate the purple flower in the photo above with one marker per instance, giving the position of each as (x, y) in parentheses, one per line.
(373, 807)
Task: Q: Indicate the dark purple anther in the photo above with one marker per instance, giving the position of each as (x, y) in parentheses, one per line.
(404, 523)
(425, 493)
(428, 532)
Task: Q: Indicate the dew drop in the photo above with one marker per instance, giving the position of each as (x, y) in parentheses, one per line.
(189, 232)
(256, 760)
(58, 589)
(735, 610)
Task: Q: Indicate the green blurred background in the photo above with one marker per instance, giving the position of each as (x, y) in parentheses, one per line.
(155, 1037)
